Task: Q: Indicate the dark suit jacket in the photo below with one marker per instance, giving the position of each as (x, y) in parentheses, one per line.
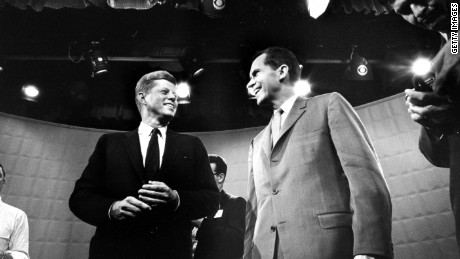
(223, 237)
(115, 171)
(320, 189)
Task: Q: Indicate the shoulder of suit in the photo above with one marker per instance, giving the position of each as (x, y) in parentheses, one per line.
(234, 197)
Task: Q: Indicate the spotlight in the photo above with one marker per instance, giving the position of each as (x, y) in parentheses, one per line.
(421, 66)
(424, 76)
(183, 93)
(97, 59)
(2, 63)
(191, 61)
(30, 92)
(302, 88)
(358, 68)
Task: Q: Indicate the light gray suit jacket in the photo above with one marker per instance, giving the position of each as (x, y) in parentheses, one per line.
(321, 186)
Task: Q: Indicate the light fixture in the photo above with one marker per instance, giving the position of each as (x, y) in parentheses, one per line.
(192, 62)
(2, 63)
(358, 68)
(421, 66)
(97, 59)
(302, 88)
(30, 92)
(183, 93)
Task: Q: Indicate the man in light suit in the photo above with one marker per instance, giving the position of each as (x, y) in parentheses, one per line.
(316, 189)
(141, 189)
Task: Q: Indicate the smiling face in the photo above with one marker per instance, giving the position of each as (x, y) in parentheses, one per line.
(161, 100)
(265, 81)
(428, 14)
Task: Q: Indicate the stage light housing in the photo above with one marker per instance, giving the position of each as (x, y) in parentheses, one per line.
(97, 59)
(358, 68)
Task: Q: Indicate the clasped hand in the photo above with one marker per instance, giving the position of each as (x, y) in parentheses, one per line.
(150, 195)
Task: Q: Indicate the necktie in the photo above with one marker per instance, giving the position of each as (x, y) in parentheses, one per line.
(152, 159)
(276, 125)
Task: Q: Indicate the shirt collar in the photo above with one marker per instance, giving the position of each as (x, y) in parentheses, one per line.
(145, 129)
(287, 105)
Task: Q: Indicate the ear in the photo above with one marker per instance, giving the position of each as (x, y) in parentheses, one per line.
(141, 97)
(283, 71)
(221, 178)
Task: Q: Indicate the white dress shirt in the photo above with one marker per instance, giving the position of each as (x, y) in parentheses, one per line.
(14, 231)
(144, 138)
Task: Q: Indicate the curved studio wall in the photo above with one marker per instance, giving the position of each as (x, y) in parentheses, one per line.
(43, 160)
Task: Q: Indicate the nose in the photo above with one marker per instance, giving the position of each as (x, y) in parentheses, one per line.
(172, 96)
(250, 84)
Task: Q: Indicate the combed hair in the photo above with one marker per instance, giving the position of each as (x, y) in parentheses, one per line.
(147, 82)
(277, 56)
(221, 166)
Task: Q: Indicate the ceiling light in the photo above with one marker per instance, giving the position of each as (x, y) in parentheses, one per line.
(30, 92)
(358, 68)
(183, 93)
(302, 88)
(97, 59)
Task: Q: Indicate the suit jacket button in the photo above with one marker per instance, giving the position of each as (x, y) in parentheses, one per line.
(275, 192)
(273, 228)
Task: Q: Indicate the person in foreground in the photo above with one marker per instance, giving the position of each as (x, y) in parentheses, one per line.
(141, 189)
(222, 235)
(316, 188)
(438, 110)
(14, 228)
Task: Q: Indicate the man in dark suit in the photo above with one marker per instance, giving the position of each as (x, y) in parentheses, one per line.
(316, 189)
(146, 211)
(221, 236)
(438, 110)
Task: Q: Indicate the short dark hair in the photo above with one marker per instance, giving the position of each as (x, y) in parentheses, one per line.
(277, 56)
(147, 82)
(221, 166)
(3, 170)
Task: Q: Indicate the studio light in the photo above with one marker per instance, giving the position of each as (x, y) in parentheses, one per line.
(358, 68)
(97, 59)
(183, 93)
(2, 63)
(302, 88)
(192, 62)
(30, 92)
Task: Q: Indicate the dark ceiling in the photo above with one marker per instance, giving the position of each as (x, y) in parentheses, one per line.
(36, 48)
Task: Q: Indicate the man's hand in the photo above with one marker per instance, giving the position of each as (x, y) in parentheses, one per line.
(129, 207)
(154, 193)
(430, 109)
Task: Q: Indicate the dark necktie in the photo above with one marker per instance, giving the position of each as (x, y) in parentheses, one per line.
(152, 159)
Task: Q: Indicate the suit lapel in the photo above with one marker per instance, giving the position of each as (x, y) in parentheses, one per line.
(171, 148)
(267, 140)
(298, 108)
(133, 147)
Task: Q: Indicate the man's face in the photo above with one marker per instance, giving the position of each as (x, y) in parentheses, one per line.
(2, 179)
(428, 14)
(161, 100)
(265, 81)
(216, 175)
